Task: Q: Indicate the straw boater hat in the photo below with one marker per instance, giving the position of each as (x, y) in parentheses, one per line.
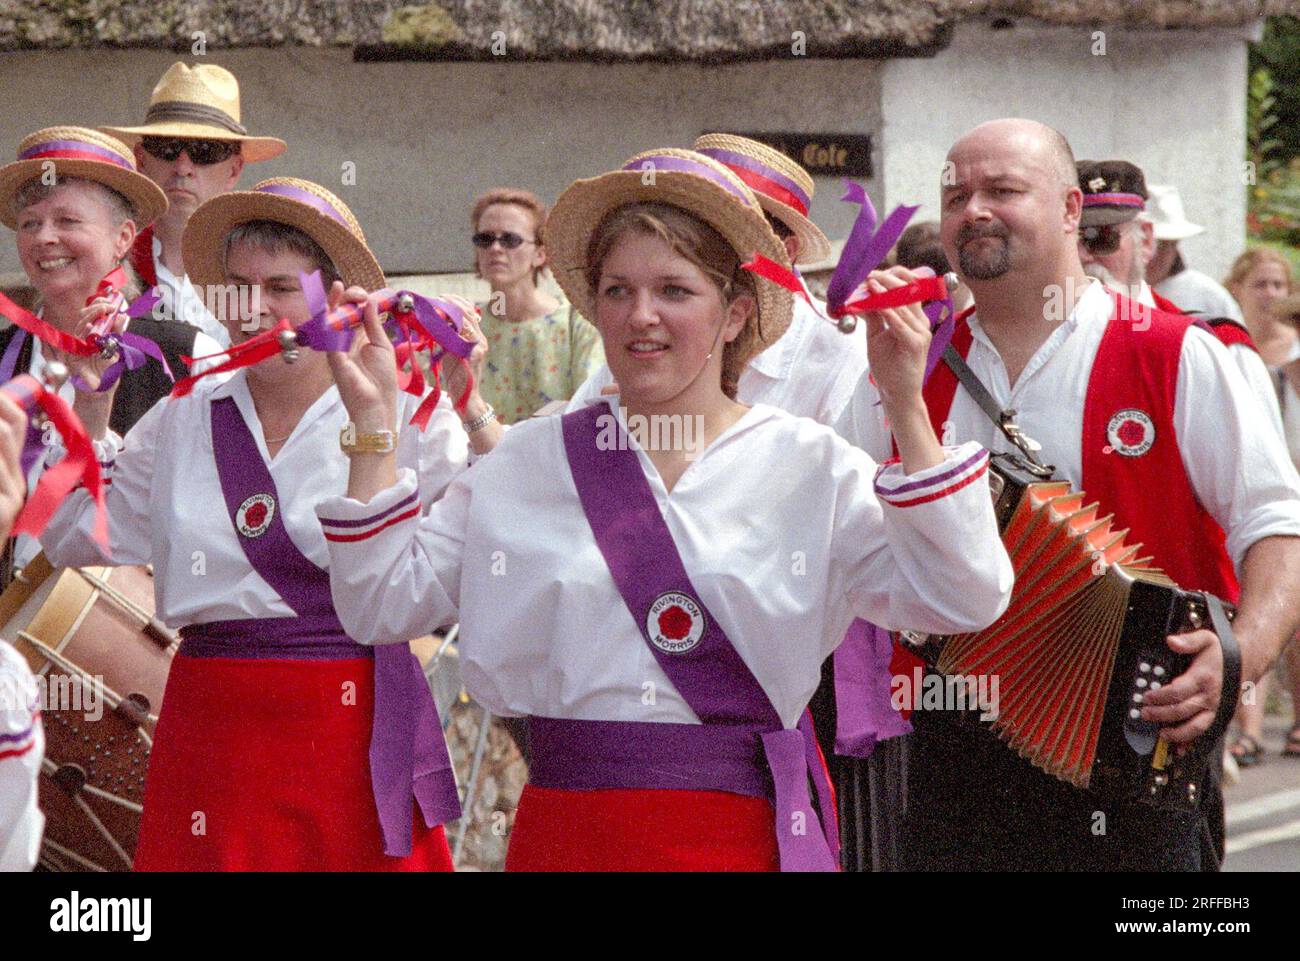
(84, 153)
(286, 200)
(684, 179)
(199, 103)
(782, 186)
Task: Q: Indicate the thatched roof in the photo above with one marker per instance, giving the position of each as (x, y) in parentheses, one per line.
(669, 30)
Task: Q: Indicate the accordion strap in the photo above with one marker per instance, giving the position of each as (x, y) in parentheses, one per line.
(1004, 420)
(1230, 693)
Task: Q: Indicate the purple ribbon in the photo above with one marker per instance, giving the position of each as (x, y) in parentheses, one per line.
(657, 162)
(318, 334)
(308, 198)
(866, 246)
(132, 349)
(864, 711)
(732, 159)
(37, 151)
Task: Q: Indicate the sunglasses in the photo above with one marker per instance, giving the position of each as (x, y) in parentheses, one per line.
(202, 152)
(1104, 239)
(509, 241)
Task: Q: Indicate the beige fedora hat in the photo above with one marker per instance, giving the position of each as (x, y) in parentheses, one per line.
(783, 188)
(685, 179)
(1165, 212)
(287, 200)
(87, 154)
(199, 103)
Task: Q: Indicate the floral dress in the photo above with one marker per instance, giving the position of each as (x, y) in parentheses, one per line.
(533, 362)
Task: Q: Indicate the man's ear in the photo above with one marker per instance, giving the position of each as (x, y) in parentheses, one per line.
(1146, 243)
(236, 168)
(1073, 209)
(793, 246)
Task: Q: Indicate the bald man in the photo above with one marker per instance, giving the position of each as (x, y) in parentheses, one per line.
(1149, 415)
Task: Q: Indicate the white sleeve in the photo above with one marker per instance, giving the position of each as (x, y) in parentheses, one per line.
(22, 745)
(395, 574)
(1237, 463)
(862, 421)
(1261, 383)
(127, 467)
(920, 551)
(441, 450)
(589, 389)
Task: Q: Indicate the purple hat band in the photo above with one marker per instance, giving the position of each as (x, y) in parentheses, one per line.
(683, 165)
(75, 150)
(731, 159)
(1122, 200)
(305, 197)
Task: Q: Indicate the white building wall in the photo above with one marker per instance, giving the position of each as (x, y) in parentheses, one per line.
(1173, 102)
(427, 138)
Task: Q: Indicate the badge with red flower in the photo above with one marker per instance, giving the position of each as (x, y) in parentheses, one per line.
(255, 514)
(1131, 432)
(675, 623)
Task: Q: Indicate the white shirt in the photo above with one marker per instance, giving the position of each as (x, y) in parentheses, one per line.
(1200, 293)
(165, 504)
(777, 524)
(811, 371)
(22, 745)
(1234, 459)
(184, 304)
(25, 548)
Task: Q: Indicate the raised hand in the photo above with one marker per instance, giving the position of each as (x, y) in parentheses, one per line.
(367, 374)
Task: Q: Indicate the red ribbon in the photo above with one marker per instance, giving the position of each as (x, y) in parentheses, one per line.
(80, 464)
(250, 352)
(49, 334)
(769, 269)
(919, 291)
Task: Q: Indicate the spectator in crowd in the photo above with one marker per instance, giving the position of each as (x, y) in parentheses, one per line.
(1191, 290)
(1261, 281)
(539, 348)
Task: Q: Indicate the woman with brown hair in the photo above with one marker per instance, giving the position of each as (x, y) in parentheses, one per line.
(656, 579)
(539, 349)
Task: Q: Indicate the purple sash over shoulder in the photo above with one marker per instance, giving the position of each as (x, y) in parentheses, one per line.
(408, 753)
(740, 728)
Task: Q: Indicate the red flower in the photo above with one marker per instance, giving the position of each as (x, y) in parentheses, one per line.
(1131, 433)
(674, 623)
(255, 516)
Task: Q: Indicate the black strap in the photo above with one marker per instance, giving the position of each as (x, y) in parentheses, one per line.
(1004, 420)
(1230, 693)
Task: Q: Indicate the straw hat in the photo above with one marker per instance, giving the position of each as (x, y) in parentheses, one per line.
(782, 186)
(199, 103)
(1165, 211)
(286, 200)
(88, 154)
(682, 178)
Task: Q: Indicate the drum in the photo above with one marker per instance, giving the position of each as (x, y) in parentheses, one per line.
(101, 660)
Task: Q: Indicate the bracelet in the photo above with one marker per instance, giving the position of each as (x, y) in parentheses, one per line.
(380, 442)
(479, 422)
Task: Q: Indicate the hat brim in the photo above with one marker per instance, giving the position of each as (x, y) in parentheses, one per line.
(580, 209)
(1180, 231)
(1105, 216)
(252, 149)
(203, 243)
(814, 245)
(145, 196)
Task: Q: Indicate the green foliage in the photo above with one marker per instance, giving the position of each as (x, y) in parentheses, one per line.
(1278, 52)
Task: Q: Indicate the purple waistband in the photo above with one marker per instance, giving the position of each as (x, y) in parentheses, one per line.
(311, 638)
(592, 755)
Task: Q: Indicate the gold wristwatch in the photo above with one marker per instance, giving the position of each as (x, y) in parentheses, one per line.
(380, 442)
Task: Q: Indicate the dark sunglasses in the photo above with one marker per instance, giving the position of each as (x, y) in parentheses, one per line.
(202, 152)
(1104, 239)
(509, 241)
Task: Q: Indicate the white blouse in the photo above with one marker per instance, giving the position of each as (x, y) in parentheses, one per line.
(165, 504)
(779, 526)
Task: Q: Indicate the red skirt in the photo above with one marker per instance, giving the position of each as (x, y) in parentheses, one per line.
(632, 830)
(263, 765)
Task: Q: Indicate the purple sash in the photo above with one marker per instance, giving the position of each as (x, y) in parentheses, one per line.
(697, 656)
(33, 441)
(408, 753)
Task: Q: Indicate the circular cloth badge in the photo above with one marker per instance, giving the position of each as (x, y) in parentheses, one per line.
(254, 515)
(675, 623)
(1131, 432)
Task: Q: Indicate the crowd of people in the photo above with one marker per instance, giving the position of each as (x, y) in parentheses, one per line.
(683, 634)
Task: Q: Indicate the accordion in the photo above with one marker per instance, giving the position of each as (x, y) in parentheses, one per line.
(1081, 643)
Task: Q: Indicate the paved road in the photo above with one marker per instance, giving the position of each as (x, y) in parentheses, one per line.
(1264, 809)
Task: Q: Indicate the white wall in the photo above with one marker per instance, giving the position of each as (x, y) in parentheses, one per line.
(1173, 102)
(427, 138)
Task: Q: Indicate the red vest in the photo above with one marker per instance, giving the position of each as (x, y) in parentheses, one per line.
(1130, 457)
